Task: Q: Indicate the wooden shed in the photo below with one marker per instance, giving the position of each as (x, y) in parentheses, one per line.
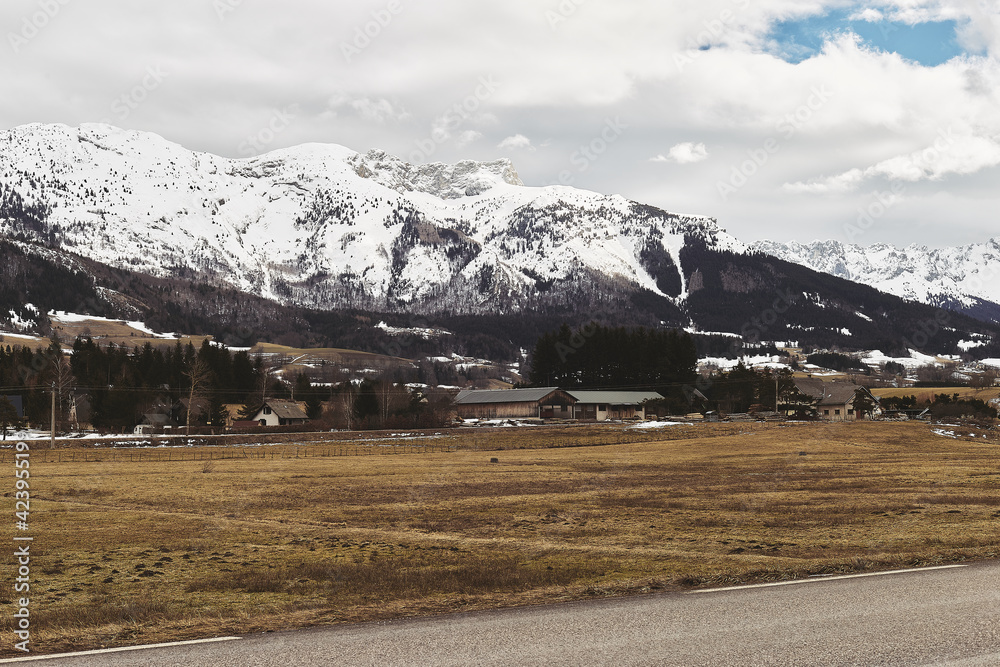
(604, 405)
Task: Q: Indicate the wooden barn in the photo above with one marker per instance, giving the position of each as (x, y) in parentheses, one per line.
(536, 403)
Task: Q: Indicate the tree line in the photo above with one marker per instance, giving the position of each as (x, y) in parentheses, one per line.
(601, 357)
(112, 387)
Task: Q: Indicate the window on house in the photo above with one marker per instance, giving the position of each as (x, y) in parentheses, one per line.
(267, 410)
(826, 412)
(836, 412)
(850, 412)
(602, 408)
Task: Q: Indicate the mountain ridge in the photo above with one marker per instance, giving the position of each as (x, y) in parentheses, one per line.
(320, 228)
(323, 226)
(964, 278)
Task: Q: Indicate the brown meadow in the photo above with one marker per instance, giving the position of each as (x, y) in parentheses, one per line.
(283, 536)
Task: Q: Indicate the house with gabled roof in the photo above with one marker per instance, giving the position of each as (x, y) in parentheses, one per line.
(836, 401)
(278, 412)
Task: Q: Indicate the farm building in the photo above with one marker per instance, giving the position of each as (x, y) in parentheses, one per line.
(836, 401)
(540, 403)
(552, 403)
(277, 412)
(604, 405)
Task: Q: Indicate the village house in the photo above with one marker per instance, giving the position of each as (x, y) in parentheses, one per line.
(604, 405)
(535, 403)
(276, 412)
(836, 401)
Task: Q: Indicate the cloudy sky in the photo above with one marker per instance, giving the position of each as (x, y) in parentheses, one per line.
(783, 119)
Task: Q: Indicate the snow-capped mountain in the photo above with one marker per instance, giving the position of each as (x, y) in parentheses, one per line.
(963, 278)
(127, 225)
(324, 226)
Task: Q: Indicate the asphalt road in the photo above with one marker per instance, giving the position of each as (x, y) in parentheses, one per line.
(928, 617)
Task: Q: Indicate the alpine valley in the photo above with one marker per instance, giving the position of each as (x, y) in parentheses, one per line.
(318, 244)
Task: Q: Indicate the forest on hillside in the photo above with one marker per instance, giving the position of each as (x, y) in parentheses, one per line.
(113, 387)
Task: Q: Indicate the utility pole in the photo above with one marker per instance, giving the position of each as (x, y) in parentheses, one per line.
(52, 441)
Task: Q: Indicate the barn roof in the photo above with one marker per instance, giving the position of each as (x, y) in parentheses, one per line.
(482, 396)
(614, 397)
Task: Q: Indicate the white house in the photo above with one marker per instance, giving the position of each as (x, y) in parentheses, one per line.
(277, 412)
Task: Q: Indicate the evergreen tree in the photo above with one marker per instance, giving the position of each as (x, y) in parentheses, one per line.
(366, 402)
(8, 415)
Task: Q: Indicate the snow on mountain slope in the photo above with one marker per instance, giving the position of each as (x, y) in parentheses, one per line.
(321, 225)
(949, 276)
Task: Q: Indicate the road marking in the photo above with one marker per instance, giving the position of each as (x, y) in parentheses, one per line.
(824, 578)
(119, 650)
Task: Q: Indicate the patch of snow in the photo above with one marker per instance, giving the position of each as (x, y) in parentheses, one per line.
(693, 331)
(423, 332)
(652, 424)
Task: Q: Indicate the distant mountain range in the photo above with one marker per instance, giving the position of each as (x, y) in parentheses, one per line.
(303, 234)
(965, 278)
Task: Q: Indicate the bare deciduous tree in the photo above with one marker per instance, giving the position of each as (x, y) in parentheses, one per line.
(199, 375)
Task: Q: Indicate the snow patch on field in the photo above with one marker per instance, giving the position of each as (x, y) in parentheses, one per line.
(650, 425)
(63, 317)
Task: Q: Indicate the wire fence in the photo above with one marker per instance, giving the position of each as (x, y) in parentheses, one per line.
(169, 455)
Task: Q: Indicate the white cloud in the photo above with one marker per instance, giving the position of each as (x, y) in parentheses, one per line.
(378, 111)
(868, 14)
(516, 142)
(602, 62)
(468, 136)
(948, 155)
(371, 110)
(684, 153)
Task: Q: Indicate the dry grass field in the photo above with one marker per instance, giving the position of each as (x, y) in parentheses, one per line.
(128, 552)
(924, 394)
(114, 331)
(306, 359)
